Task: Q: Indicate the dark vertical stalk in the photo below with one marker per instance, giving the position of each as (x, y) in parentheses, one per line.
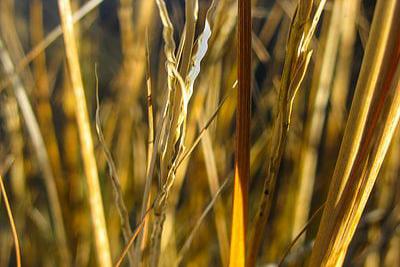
(242, 169)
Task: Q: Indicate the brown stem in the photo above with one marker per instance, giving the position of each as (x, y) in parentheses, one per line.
(242, 162)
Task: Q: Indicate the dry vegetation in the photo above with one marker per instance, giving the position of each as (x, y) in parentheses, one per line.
(200, 133)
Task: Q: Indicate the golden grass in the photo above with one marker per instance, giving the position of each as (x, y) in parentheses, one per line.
(296, 63)
(154, 80)
(92, 177)
(318, 100)
(40, 150)
(359, 158)
(183, 69)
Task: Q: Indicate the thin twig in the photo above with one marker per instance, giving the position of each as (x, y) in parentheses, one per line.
(132, 239)
(302, 231)
(196, 227)
(9, 213)
(118, 195)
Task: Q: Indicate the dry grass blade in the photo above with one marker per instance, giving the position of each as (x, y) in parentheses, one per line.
(299, 234)
(242, 153)
(317, 105)
(296, 63)
(40, 150)
(42, 95)
(341, 82)
(365, 140)
(132, 238)
(358, 188)
(173, 79)
(92, 177)
(9, 213)
(142, 239)
(118, 195)
(182, 73)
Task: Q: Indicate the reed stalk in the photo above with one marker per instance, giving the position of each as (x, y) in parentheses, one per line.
(242, 153)
(183, 68)
(298, 55)
(325, 66)
(82, 117)
(373, 116)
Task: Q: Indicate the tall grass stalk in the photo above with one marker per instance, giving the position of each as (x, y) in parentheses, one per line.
(143, 236)
(298, 55)
(183, 69)
(90, 168)
(170, 137)
(242, 153)
(360, 158)
(40, 150)
(43, 107)
(352, 202)
(324, 69)
(341, 82)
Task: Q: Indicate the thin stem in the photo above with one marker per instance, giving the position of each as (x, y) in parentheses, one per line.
(11, 219)
(242, 160)
(89, 161)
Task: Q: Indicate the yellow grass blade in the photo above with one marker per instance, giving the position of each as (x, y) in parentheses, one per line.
(360, 158)
(82, 117)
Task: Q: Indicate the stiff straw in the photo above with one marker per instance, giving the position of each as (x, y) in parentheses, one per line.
(143, 236)
(369, 129)
(324, 69)
(132, 238)
(297, 59)
(82, 117)
(242, 157)
(299, 234)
